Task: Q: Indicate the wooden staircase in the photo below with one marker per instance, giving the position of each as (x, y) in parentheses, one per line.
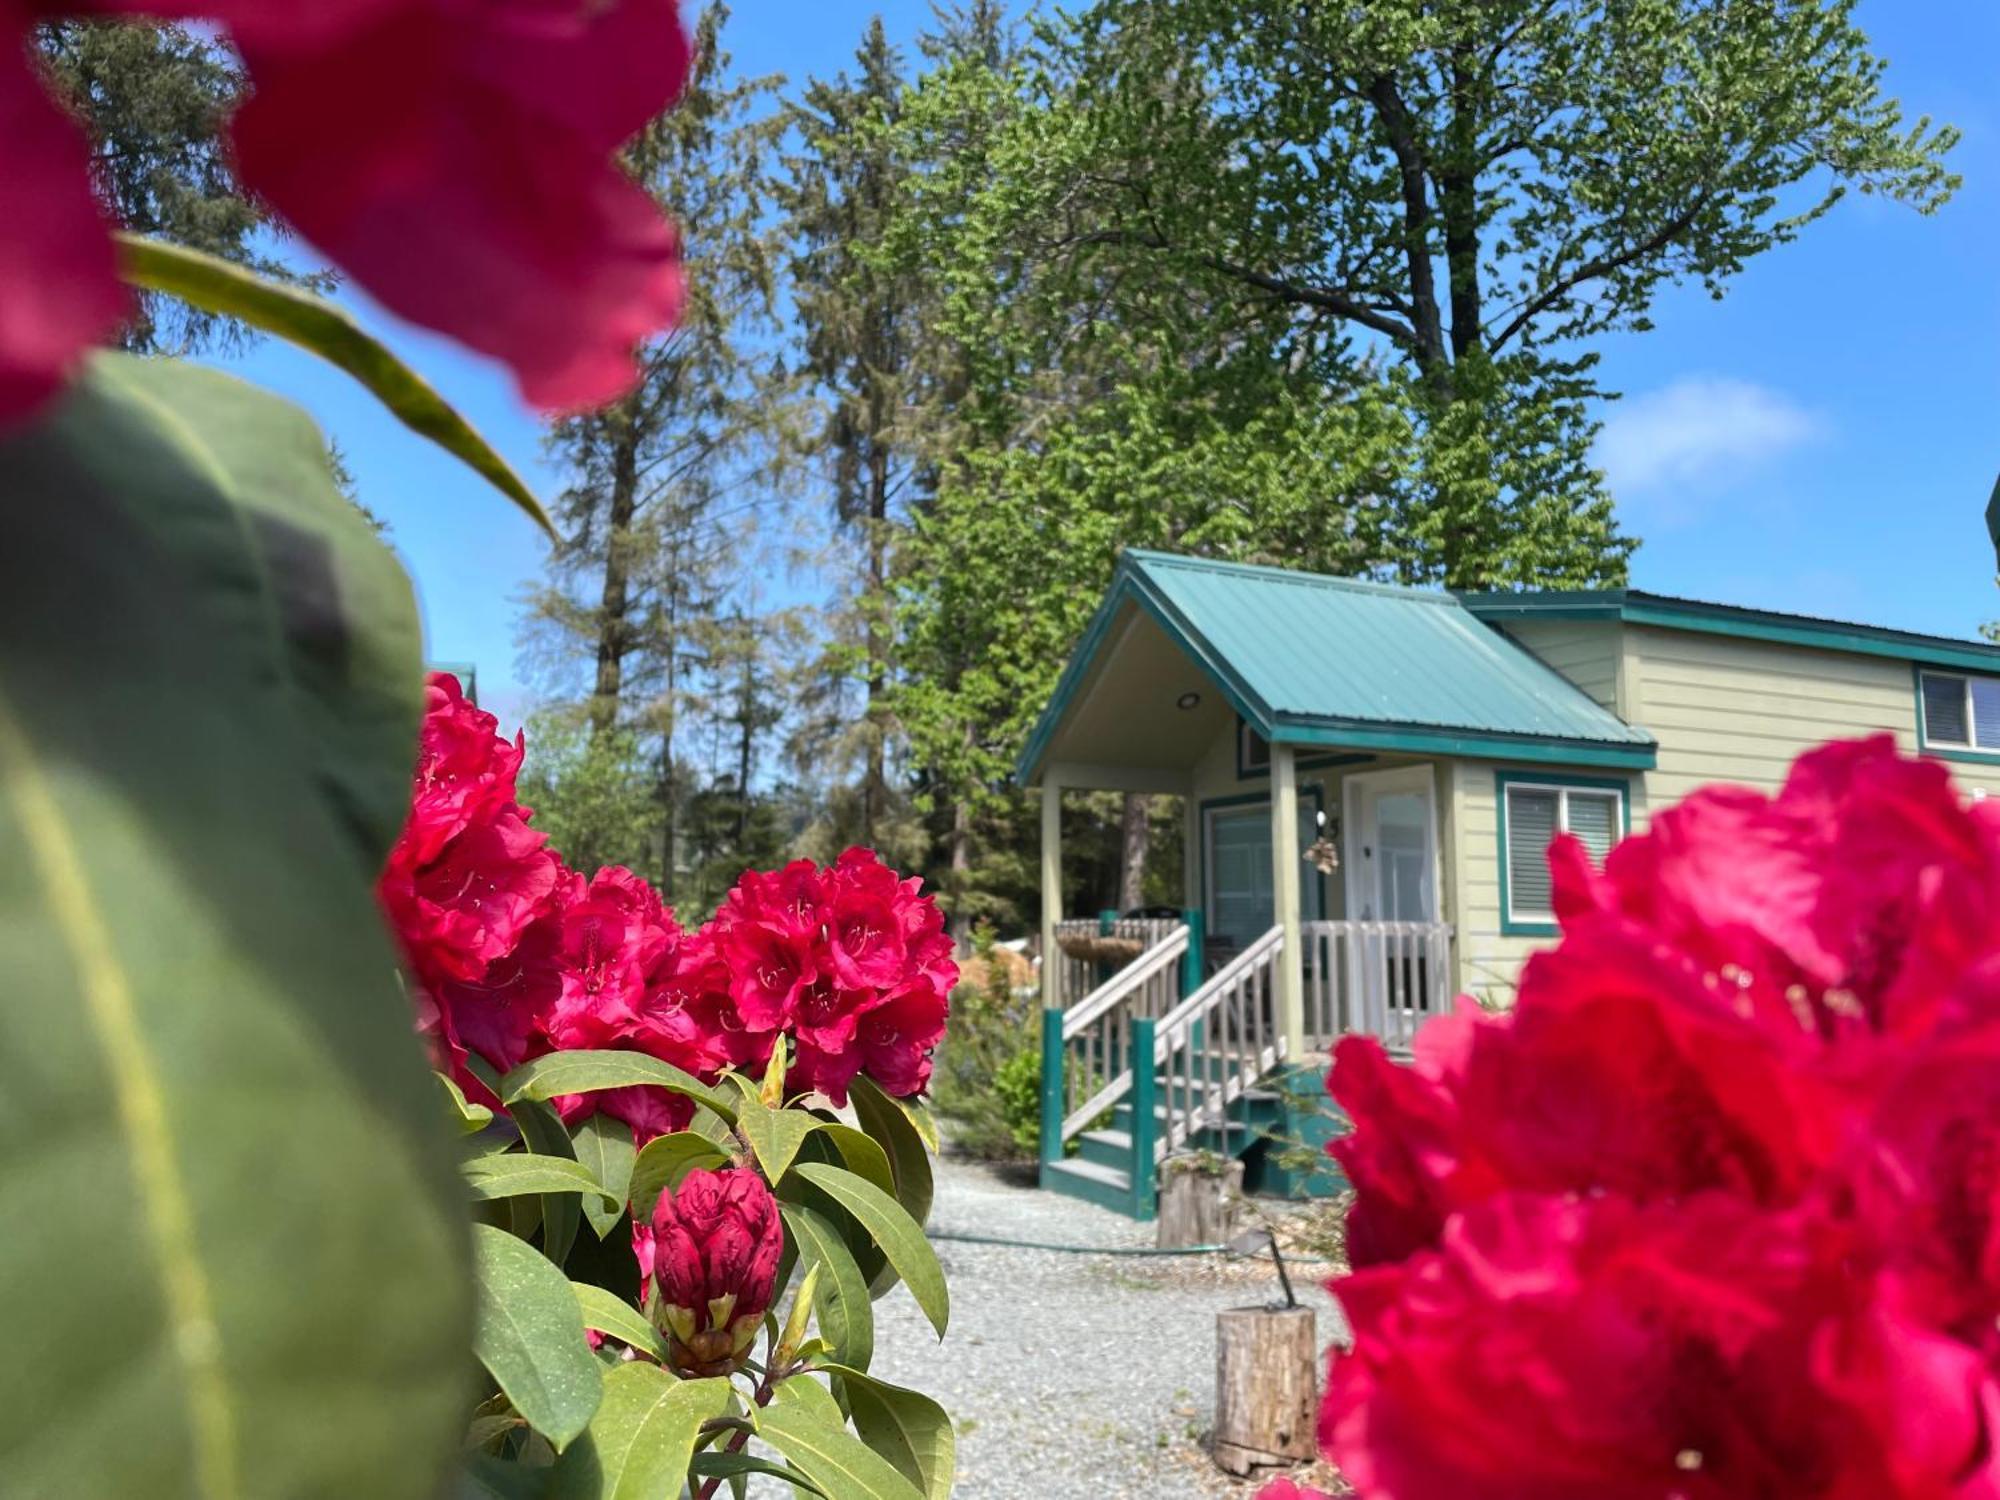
(1154, 1061)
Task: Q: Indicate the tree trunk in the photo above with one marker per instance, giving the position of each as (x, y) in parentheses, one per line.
(961, 873)
(1135, 834)
(614, 602)
(875, 779)
(748, 723)
(1198, 1207)
(1266, 1386)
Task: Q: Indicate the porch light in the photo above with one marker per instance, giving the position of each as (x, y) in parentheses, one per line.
(1187, 701)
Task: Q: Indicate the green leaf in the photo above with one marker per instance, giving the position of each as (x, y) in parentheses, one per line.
(814, 1396)
(604, 1144)
(774, 1134)
(726, 1465)
(906, 1427)
(483, 1476)
(642, 1437)
(198, 750)
(542, 1130)
(894, 1126)
(863, 1154)
(832, 1457)
(609, 1313)
(469, 1117)
(321, 327)
(664, 1161)
(513, 1173)
(898, 1235)
(529, 1336)
(588, 1072)
(846, 1315)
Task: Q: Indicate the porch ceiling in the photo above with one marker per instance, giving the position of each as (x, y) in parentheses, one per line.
(1124, 717)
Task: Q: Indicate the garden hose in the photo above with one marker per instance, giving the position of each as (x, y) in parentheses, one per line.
(960, 1237)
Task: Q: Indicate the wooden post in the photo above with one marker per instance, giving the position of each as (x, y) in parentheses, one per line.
(1198, 1201)
(1192, 961)
(1266, 1386)
(1052, 960)
(1285, 895)
(1055, 1058)
(1145, 1127)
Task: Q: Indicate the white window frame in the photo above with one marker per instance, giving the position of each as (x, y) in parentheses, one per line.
(1965, 681)
(1509, 913)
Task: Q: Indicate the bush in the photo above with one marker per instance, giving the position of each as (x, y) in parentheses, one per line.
(988, 1075)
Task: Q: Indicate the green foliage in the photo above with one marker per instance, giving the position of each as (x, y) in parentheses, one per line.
(988, 1073)
(593, 794)
(208, 689)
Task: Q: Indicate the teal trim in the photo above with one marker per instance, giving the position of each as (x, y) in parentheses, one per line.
(1145, 1100)
(1636, 608)
(1192, 961)
(1542, 751)
(1053, 1056)
(1504, 779)
(1303, 763)
(1106, 920)
(1964, 754)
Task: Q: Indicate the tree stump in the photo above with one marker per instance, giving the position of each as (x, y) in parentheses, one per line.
(1266, 1387)
(1198, 1201)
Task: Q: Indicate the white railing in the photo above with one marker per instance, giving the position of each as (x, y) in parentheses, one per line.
(1217, 1043)
(1077, 977)
(1097, 1031)
(1382, 979)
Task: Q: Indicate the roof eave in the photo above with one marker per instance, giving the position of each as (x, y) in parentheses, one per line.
(1634, 755)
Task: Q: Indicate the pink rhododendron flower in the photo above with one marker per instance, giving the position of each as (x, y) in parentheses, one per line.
(1286, 1489)
(708, 1261)
(456, 157)
(1714, 1211)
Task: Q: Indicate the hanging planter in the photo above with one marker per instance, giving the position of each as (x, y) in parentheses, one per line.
(1094, 949)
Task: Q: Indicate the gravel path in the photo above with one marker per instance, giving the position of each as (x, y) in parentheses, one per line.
(1084, 1376)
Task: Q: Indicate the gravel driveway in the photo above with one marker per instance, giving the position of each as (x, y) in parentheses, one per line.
(1085, 1376)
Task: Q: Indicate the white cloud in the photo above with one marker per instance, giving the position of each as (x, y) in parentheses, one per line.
(1702, 433)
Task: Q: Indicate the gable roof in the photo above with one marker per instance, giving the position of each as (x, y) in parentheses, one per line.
(1312, 660)
(1637, 607)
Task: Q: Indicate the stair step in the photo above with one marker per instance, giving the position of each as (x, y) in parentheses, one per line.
(1108, 1148)
(1107, 1187)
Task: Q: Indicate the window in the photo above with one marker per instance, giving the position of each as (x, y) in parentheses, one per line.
(1253, 751)
(1959, 713)
(1532, 813)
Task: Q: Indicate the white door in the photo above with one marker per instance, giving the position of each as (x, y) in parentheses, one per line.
(1391, 855)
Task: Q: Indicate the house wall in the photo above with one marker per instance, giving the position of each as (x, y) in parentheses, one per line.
(1216, 782)
(1724, 709)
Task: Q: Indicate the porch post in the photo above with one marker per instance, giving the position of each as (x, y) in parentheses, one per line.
(1051, 891)
(1285, 857)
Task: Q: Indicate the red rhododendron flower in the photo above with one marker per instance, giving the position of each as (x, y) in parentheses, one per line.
(1286, 1489)
(59, 287)
(515, 955)
(456, 157)
(708, 1262)
(1714, 1211)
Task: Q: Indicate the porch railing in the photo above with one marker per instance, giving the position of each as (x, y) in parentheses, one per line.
(1087, 1050)
(1381, 979)
(1078, 977)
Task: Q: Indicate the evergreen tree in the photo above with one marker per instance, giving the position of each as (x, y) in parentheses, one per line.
(666, 484)
(153, 98)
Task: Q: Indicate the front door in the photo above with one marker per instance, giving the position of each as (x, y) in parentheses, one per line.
(1240, 905)
(1391, 857)
(1392, 846)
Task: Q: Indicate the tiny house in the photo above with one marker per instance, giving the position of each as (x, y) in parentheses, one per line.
(1371, 776)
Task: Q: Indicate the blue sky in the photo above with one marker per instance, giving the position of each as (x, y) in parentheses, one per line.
(1822, 440)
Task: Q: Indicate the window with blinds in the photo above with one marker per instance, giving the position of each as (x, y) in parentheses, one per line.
(1961, 713)
(1531, 817)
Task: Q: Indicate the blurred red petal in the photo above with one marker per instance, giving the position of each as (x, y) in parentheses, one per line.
(59, 286)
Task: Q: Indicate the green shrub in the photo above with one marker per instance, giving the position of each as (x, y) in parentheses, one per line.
(987, 1081)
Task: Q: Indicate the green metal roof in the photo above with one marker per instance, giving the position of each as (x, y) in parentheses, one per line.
(1637, 607)
(1312, 660)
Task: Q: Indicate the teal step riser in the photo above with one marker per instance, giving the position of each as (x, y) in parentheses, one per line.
(1104, 1195)
(1104, 1153)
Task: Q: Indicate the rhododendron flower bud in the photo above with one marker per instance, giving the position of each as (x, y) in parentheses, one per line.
(708, 1264)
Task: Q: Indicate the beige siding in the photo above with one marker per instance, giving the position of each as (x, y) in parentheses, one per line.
(1584, 651)
(1725, 709)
